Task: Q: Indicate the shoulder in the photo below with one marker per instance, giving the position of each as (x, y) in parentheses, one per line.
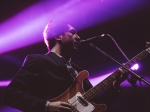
(40, 57)
(34, 57)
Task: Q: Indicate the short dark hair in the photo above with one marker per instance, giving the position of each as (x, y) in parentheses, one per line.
(53, 29)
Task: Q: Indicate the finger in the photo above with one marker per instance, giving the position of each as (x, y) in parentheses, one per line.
(65, 109)
(122, 70)
(67, 105)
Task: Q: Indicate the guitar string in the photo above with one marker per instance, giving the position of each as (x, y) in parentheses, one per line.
(79, 106)
(127, 65)
(136, 58)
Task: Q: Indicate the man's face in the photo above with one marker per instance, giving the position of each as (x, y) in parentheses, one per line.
(70, 39)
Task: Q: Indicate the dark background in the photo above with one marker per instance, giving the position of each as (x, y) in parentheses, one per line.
(131, 32)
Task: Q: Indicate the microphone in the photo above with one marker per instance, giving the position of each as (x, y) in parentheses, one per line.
(92, 38)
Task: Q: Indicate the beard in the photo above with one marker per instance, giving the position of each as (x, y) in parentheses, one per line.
(70, 48)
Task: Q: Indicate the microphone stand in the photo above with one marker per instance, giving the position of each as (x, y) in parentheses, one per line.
(131, 78)
(123, 66)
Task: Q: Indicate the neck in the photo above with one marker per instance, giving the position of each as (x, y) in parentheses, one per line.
(57, 49)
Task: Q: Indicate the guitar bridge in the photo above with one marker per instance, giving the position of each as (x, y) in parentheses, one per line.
(81, 104)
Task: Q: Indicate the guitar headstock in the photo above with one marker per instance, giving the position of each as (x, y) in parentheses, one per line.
(147, 44)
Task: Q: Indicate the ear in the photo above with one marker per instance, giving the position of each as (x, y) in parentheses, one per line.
(57, 38)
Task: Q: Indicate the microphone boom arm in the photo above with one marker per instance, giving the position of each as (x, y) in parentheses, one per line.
(123, 66)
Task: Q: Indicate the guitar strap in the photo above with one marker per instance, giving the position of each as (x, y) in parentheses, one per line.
(72, 71)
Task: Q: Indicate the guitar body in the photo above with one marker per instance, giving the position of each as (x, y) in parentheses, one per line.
(76, 87)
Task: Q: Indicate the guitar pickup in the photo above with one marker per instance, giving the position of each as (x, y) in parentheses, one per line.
(80, 104)
(82, 101)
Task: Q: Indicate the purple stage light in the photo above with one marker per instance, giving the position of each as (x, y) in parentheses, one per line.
(8, 109)
(96, 80)
(4, 83)
(26, 27)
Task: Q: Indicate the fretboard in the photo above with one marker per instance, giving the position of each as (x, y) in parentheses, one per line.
(89, 95)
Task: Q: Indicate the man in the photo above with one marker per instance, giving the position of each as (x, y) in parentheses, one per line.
(47, 76)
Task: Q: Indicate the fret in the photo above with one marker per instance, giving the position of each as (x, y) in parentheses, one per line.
(109, 80)
(98, 88)
(105, 82)
(133, 60)
(137, 58)
(89, 95)
(113, 77)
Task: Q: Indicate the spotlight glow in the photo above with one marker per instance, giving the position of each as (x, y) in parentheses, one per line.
(135, 67)
(96, 80)
(26, 27)
(4, 83)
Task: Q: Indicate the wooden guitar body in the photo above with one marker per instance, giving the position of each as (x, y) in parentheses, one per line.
(76, 87)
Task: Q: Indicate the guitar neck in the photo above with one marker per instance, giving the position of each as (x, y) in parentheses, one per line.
(89, 95)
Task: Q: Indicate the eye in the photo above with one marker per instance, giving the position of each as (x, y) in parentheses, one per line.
(73, 31)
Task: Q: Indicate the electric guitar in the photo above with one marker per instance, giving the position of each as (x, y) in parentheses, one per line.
(80, 100)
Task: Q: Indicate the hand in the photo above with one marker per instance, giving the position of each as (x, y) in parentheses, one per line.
(59, 107)
(121, 77)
